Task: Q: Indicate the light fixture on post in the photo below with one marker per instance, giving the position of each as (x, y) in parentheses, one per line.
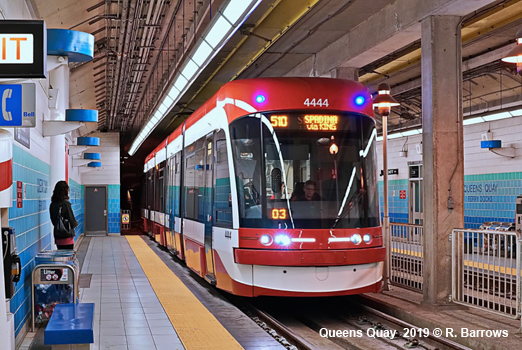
(384, 102)
(515, 55)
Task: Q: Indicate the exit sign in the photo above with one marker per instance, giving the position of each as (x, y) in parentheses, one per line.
(16, 48)
(23, 49)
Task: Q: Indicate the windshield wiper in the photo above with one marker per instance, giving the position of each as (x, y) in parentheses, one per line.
(356, 197)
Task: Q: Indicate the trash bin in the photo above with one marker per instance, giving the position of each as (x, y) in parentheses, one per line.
(55, 281)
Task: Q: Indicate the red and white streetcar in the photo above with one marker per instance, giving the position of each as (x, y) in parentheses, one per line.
(270, 188)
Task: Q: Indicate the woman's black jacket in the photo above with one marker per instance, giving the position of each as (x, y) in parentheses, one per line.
(66, 212)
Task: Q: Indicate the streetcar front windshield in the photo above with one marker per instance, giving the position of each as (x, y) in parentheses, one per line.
(303, 170)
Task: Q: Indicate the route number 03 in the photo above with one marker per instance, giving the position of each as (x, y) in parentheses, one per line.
(316, 102)
(279, 214)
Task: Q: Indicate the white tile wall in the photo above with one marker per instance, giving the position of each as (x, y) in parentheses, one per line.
(476, 160)
(109, 173)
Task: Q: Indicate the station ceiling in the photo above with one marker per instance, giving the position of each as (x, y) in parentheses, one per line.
(139, 44)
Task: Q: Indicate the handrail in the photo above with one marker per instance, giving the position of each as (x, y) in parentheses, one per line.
(407, 262)
(486, 268)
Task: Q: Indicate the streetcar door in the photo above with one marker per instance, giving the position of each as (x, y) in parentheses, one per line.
(416, 212)
(150, 201)
(208, 206)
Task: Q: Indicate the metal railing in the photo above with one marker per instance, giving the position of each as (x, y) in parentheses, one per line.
(486, 270)
(407, 261)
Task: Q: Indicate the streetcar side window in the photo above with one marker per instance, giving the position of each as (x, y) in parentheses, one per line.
(169, 187)
(159, 197)
(199, 178)
(173, 188)
(195, 180)
(150, 189)
(191, 192)
(222, 192)
(176, 184)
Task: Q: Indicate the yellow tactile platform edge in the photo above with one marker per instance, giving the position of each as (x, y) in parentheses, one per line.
(197, 328)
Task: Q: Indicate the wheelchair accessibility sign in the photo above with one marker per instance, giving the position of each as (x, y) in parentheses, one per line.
(11, 96)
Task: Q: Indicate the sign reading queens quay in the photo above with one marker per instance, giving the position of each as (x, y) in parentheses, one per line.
(23, 49)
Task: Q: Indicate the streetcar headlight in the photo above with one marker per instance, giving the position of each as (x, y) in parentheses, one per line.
(282, 239)
(265, 239)
(260, 98)
(356, 239)
(367, 238)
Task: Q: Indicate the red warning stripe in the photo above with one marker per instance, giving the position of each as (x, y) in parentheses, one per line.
(6, 179)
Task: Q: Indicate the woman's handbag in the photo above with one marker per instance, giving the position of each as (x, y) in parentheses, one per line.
(63, 228)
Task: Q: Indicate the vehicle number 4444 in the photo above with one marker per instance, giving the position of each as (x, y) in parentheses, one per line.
(316, 102)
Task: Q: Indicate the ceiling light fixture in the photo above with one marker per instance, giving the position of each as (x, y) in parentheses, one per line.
(515, 55)
(225, 23)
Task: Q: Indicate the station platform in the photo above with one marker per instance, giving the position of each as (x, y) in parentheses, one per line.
(468, 324)
(145, 300)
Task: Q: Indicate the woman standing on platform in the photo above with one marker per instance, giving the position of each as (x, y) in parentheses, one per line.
(60, 205)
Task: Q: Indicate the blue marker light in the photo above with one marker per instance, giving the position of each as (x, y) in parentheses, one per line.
(260, 98)
(359, 100)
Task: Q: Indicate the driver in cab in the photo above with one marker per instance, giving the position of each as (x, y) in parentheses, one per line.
(309, 192)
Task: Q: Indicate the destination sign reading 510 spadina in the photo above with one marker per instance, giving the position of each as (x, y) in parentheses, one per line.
(311, 122)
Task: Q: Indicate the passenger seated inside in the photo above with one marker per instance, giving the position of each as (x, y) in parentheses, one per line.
(310, 194)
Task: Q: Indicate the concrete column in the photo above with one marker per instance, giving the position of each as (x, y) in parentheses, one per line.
(59, 79)
(349, 73)
(442, 150)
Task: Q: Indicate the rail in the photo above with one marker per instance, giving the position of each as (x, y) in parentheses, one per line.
(486, 267)
(407, 262)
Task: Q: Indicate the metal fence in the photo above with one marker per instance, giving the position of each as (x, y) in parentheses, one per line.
(407, 261)
(486, 270)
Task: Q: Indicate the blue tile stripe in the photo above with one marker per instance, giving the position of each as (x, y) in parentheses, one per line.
(487, 197)
(76, 199)
(31, 223)
(397, 207)
(114, 208)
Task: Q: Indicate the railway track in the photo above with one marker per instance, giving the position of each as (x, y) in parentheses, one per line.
(316, 324)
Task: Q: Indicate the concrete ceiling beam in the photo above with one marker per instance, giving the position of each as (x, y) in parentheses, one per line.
(384, 32)
(467, 65)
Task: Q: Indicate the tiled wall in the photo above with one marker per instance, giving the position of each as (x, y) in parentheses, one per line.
(31, 223)
(109, 172)
(487, 197)
(492, 182)
(76, 199)
(397, 207)
(114, 208)
(490, 197)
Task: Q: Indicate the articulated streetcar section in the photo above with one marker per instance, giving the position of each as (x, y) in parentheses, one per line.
(270, 188)
(269, 191)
